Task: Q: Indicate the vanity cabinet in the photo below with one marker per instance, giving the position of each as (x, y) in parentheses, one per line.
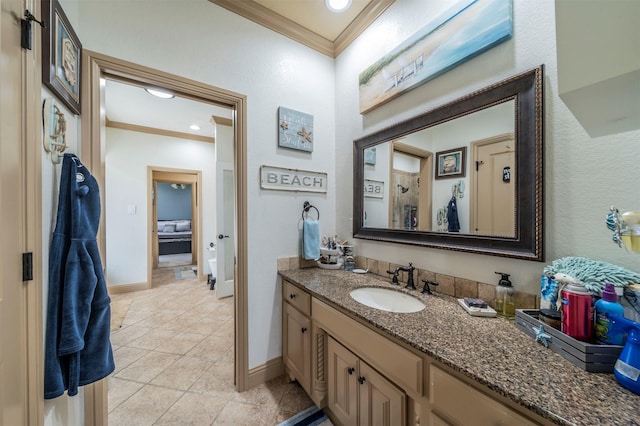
(363, 377)
(357, 394)
(296, 334)
(448, 394)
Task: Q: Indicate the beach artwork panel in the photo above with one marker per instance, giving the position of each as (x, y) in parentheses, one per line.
(464, 31)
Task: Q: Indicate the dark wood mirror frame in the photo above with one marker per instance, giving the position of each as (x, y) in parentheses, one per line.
(526, 90)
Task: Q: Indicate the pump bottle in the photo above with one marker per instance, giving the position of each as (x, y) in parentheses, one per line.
(505, 304)
(606, 334)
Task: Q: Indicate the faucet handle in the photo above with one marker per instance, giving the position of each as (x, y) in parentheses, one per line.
(394, 280)
(426, 289)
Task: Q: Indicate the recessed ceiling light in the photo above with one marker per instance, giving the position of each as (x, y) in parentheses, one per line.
(194, 127)
(337, 5)
(160, 93)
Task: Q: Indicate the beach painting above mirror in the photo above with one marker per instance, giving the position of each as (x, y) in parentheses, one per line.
(467, 29)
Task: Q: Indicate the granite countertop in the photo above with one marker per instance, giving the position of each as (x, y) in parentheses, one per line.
(491, 351)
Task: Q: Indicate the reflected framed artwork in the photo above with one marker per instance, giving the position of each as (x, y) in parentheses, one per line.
(451, 163)
(61, 56)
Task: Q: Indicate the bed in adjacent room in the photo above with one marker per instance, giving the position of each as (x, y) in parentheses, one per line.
(174, 236)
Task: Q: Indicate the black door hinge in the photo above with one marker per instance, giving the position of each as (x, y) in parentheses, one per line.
(25, 33)
(27, 266)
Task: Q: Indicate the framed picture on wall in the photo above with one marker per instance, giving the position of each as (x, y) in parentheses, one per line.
(451, 163)
(61, 56)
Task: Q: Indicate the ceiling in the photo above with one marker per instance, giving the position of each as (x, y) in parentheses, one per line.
(306, 21)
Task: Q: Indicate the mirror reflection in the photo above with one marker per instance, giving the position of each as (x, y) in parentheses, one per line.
(458, 176)
(464, 176)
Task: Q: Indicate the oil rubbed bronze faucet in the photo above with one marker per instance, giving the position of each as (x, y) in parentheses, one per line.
(409, 269)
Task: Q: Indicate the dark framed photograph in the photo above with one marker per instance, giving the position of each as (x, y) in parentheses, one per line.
(451, 163)
(61, 55)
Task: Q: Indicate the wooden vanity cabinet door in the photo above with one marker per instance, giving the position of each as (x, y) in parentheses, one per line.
(358, 394)
(298, 346)
(453, 399)
(342, 367)
(381, 403)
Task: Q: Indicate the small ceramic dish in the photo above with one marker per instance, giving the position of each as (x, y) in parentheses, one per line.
(329, 265)
(360, 271)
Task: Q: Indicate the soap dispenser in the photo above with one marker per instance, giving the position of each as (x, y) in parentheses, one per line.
(505, 304)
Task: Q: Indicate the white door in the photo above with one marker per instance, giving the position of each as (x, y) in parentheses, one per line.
(13, 310)
(225, 207)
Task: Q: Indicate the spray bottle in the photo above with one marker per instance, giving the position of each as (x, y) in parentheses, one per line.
(627, 368)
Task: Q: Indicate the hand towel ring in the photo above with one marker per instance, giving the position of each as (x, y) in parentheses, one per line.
(306, 207)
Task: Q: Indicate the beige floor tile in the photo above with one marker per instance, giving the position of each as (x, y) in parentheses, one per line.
(211, 347)
(183, 373)
(120, 390)
(239, 414)
(281, 416)
(144, 407)
(147, 367)
(295, 399)
(205, 325)
(128, 334)
(125, 356)
(192, 409)
(181, 343)
(153, 339)
(157, 318)
(268, 394)
(216, 381)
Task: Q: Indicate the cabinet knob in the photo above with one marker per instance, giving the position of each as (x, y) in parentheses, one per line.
(292, 296)
(304, 329)
(350, 370)
(361, 379)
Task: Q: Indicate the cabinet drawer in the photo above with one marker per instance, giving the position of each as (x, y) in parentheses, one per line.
(296, 297)
(448, 394)
(403, 367)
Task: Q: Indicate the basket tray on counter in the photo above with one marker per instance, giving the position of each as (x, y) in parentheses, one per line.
(588, 356)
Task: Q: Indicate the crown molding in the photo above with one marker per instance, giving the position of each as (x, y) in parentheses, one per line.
(365, 18)
(155, 131)
(278, 23)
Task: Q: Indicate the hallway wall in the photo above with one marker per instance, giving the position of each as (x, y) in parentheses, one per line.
(211, 45)
(127, 156)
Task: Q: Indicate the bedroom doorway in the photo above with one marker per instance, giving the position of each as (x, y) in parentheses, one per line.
(175, 218)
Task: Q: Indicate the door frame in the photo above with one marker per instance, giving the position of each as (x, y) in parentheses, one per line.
(170, 175)
(426, 171)
(473, 199)
(94, 67)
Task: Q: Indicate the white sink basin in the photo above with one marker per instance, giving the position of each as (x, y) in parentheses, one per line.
(387, 300)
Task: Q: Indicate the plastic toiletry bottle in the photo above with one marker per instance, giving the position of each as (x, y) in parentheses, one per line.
(505, 304)
(606, 332)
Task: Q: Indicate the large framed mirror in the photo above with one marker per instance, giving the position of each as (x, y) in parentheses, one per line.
(465, 176)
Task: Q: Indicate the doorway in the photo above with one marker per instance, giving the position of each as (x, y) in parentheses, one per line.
(493, 178)
(174, 226)
(410, 184)
(96, 66)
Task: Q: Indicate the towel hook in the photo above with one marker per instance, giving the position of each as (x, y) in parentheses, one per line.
(306, 207)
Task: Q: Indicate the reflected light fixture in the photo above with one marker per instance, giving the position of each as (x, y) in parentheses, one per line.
(337, 5)
(160, 93)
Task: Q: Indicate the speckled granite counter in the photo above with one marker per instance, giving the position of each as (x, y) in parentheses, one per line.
(491, 351)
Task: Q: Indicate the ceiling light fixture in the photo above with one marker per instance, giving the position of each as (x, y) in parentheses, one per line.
(194, 127)
(160, 93)
(337, 5)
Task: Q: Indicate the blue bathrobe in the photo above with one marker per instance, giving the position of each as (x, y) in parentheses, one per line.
(77, 346)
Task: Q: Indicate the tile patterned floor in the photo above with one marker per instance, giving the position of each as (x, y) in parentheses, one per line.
(174, 362)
